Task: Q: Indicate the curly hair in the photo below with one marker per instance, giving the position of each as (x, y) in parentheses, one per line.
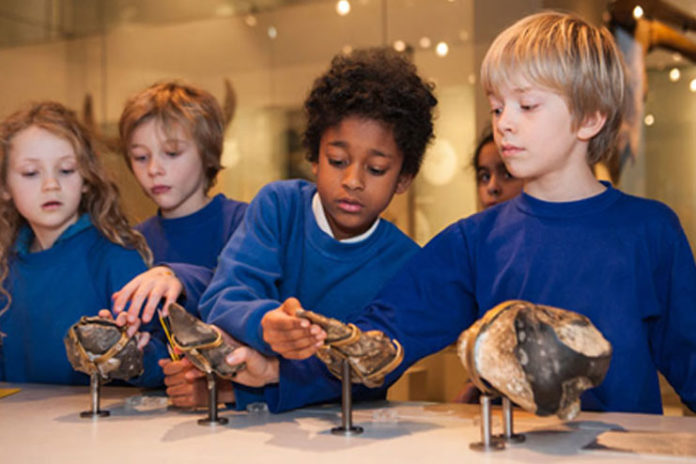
(378, 84)
(100, 199)
(173, 102)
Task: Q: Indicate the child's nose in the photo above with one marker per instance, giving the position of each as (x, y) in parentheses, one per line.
(504, 122)
(353, 177)
(50, 183)
(154, 167)
(494, 187)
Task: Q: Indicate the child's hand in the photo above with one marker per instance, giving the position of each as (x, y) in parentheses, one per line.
(291, 336)
(187, 386)
(152, 285)
(142, 338)
(260, 370)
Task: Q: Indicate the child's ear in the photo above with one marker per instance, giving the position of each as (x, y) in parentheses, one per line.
(6, 195)
(403, 183)
(591, 126)
(315, 167)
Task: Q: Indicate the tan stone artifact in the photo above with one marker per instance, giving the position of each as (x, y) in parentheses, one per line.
(540, 357)
(371, 355)
(202, 343)
(95, 345)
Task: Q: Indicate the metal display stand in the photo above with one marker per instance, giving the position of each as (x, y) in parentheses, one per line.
(94, 391)
(347, 428)
(508, 434)
(212, 418)
(487, 443)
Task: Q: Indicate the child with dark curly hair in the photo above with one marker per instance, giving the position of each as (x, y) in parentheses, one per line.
(369, 120)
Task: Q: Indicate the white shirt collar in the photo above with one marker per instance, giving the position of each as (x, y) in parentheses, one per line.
(323, 223)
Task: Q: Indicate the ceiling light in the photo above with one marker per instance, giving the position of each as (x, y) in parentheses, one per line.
(343, 7)
(674, 74)
(638, 12)
(442, 49)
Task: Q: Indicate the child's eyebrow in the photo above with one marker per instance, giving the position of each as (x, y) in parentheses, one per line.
(373, 152)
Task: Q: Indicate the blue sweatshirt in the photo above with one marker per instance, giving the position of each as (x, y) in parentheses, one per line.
(197, 238)
(51, 290)
(620, 260)
(279, 251)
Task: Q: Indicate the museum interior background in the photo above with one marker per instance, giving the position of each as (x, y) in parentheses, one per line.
(271, 50)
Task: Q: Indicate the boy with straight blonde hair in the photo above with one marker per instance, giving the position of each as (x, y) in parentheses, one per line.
(556, 88)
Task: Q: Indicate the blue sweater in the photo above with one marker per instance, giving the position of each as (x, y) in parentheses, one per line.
(197, 238)
(53, 289)
(280, 252)
(622, 261)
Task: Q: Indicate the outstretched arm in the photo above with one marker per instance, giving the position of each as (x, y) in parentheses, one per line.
(290, 336)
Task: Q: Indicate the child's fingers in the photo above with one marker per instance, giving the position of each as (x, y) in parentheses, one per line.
(121, 297)
(171, 295)
(105, 313)
(279, 322)
(143, 338)
(291, 305)
(121, 319)
(303, 353)
(280, 336)
(153, 299)
(175, 367)
(132, 328)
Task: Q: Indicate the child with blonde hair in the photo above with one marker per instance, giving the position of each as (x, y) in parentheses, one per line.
(556, 87)
(65, 245)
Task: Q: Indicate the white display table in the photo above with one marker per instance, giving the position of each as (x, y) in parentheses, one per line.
(41, 424)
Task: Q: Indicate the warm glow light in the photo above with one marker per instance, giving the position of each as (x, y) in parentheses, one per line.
(425, 42)
(638, 12)
(272, 32)
(399, 45)
(347, 49)
(442, 49)
(649, 120)
(692, 85)
(343, 7)
(674, 74)
(250, 20)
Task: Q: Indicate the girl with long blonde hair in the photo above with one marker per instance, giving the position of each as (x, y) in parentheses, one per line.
(65, 245)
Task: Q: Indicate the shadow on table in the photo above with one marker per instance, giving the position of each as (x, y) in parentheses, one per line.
(565, 439)
(301, 429)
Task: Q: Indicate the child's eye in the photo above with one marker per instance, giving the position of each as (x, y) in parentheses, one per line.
(496, 111)
(29, 173)
(528, 107)
(483, 177)
(138, 158)
(171, 154)
(336, 162)
(67, 171)
(376, 171)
